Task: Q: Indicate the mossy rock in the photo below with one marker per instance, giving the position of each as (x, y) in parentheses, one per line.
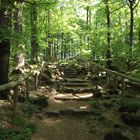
(131, 119)
(114, 135)
(129, 105)
(41, 101)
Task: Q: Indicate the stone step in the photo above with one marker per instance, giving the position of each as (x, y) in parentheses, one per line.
(75, 84)
(75, 80)
(68, 112)
(77, 89)
(71, 76)
(70, 96)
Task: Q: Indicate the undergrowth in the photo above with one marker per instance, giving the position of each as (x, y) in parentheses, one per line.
(20, 129)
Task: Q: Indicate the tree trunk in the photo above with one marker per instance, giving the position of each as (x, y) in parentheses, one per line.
(108, 53)
(18, 18)
(5, 24)
(131, 32)
(62, 46)
(34, 42)
(139, 35)
(20, 60)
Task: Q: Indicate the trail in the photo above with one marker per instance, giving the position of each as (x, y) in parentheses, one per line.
(80, 109)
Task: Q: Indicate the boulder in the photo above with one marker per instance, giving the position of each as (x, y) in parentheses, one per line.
(115, 135)
(41, 101)
(129, 105)
(131, 119)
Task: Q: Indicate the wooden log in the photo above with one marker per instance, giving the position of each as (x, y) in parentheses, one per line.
(27, 89)
(133, 79)
(14, 83)
(36, 81)
(15, 100)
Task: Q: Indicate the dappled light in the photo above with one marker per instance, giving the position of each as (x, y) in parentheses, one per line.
(69, 70)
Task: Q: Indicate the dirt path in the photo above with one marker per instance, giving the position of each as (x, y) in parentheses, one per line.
(64, 127)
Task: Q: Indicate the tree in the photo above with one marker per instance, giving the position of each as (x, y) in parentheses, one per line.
(5, 26)
(18, 24)
(132, 4)
(108, 53)
(34, 42)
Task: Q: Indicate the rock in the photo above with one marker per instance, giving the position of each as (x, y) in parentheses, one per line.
(75, 112)
(53, 114)
(66, 112)
(81, 113)
(127, 109)
(129, 105)
(41, 101)
(115, 135)
(131, 119)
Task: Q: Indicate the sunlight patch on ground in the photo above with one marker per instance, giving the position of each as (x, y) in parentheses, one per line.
(84, 107)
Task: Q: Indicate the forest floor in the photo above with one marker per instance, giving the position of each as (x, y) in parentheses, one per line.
(58, 122)
(75, 119)
(63, 126)
(79, 110)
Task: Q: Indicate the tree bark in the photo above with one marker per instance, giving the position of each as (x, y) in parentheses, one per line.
(5, 24)
(34, 42)
(139, 35)
(62, 46)
(131, 32)
(132, 4)
(18, 17)
(108, 52)
(18, 14)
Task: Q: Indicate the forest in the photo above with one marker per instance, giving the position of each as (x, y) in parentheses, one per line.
(69, 69)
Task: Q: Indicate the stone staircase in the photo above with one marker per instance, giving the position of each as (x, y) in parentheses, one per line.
(75, 87)
(73, 94)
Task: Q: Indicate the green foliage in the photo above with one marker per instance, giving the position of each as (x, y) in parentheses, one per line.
(21, 130)
(15, 134)
(29, 108)
(129, 103)
(95, 104)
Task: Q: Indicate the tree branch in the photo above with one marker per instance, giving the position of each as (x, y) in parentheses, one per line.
(118, 8)
(40, 3)
(128, 3)
(136, 4)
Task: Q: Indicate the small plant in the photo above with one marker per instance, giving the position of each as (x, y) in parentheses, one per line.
(95, 104)
(29, 108)
(15, 134)
(20, 130)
